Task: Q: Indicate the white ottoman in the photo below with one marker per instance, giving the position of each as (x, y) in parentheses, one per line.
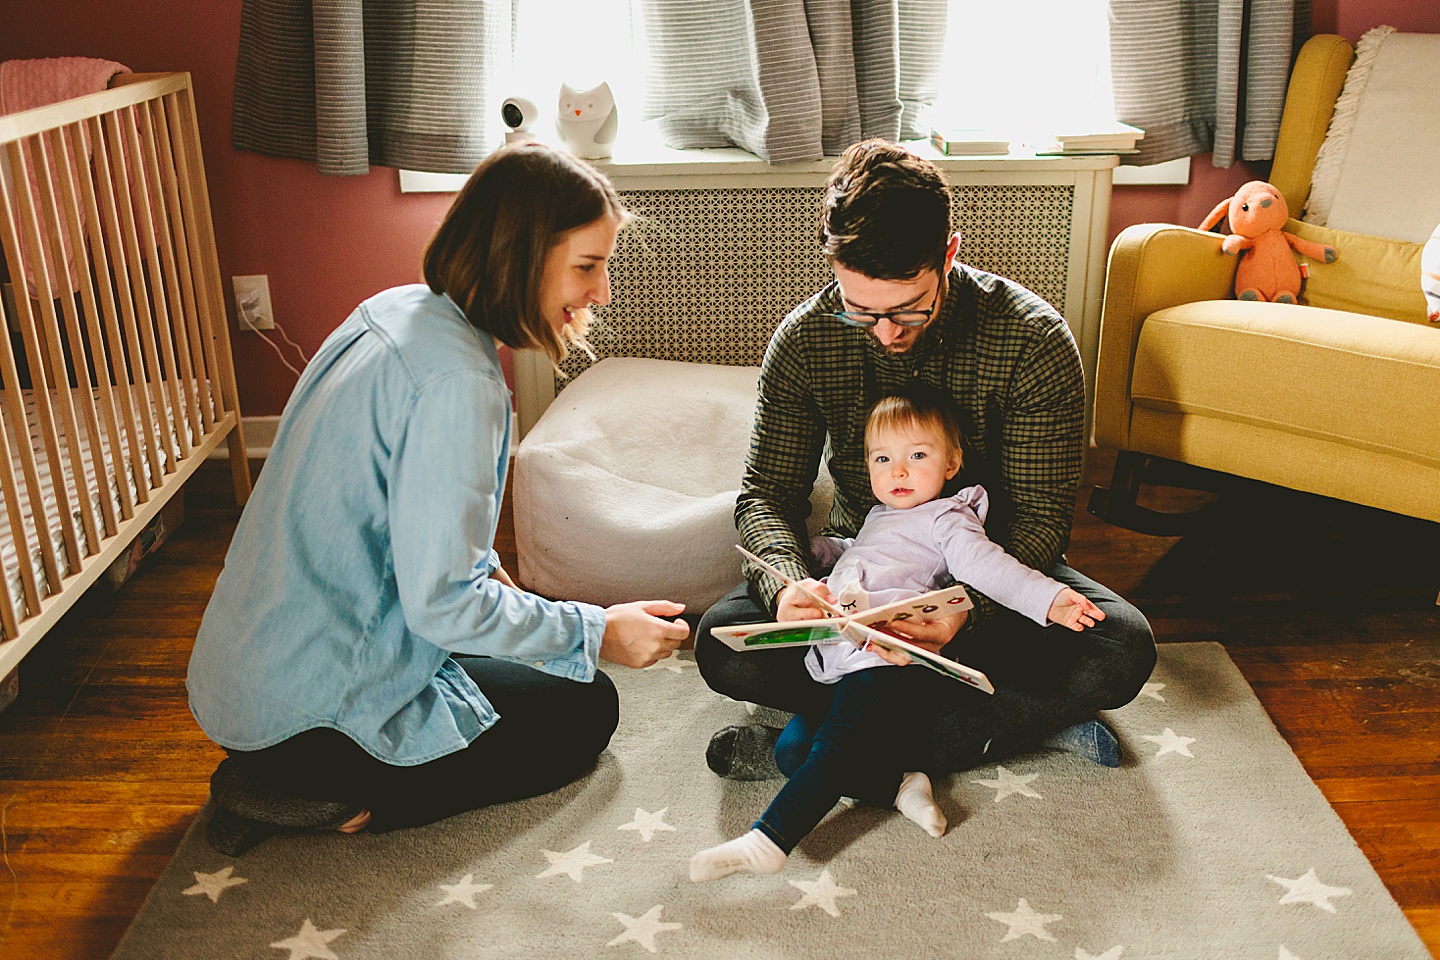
(625, 488)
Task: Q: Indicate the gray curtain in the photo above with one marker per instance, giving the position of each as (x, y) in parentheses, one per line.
(790, 80)
(1204, 75)
(395, 83)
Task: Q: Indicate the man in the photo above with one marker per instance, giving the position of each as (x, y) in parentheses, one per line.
(901, 308)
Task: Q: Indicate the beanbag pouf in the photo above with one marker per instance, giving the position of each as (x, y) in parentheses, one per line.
(625, 487)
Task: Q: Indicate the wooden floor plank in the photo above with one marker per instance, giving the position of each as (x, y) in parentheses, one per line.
(1327, 609)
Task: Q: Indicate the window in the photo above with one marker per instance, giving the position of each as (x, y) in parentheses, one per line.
(1027, 67)
(579, 42)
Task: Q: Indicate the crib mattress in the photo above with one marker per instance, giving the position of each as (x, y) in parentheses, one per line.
(10, 559)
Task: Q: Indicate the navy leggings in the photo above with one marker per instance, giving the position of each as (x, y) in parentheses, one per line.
(872, 733)
(550, 732)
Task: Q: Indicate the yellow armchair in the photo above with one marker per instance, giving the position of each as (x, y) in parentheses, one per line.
(1339, 397)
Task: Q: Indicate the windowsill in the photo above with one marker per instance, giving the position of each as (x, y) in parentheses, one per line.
(642, 161)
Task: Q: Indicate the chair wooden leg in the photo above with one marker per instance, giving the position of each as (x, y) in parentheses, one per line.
(1117, 503)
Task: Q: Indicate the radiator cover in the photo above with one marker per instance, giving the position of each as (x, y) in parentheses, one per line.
(706, 272)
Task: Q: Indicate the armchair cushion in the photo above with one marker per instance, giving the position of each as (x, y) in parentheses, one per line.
(1298, 370)
(1374, 275)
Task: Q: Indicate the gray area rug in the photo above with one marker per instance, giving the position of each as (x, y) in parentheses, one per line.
(1210, 842)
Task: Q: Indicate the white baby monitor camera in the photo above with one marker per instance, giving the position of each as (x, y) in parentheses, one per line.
(519, 115)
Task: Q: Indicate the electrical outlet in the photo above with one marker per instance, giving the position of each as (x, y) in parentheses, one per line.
(252, 302)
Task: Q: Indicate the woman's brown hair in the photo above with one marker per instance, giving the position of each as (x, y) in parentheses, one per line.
(489, 252)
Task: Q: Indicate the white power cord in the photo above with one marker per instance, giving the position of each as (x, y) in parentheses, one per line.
(246, 309)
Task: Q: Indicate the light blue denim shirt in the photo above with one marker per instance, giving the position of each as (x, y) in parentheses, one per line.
(363, 559)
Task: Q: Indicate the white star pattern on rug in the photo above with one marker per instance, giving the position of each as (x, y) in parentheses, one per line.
(647, 823)
(1309, 889)
(821, 892)
(642, 929)
(1007, 784)
(1286, 954)
(213, 884)
(1026, 922)
(673, 663)
(1152, 690)
(1112, 954)
(464, 891)
(572, 863)
(1171, 742)
(310, 943)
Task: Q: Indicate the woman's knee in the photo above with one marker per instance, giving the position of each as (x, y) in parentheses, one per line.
(598, 712)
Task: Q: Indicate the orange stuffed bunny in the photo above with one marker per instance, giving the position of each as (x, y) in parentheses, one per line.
(1267, 270)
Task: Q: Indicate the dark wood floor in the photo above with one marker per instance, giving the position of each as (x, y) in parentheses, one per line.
(1329, 611)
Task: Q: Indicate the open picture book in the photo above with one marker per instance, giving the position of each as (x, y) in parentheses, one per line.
(858, 627)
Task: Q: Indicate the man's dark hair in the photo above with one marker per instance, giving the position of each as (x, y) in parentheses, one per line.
(886, 213)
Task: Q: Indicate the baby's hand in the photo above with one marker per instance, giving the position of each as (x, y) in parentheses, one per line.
(1070, 609)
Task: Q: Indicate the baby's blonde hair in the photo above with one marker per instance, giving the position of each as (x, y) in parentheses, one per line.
(920, 407)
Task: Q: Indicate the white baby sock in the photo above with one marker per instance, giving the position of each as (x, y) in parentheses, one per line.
(752, 853)
(917, 803)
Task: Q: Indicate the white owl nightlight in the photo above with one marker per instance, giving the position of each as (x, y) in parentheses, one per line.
(587, 121)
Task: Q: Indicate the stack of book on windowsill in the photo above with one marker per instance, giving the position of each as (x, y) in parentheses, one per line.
(969, 141)
(1111, 137)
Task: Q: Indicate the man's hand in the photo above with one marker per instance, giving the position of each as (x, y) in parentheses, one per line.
(929, 634)
(791, 604)
(635, 636)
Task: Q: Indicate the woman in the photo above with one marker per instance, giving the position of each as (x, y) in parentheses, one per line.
(364, 659)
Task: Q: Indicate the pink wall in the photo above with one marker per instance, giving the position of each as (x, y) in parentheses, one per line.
(328, 242)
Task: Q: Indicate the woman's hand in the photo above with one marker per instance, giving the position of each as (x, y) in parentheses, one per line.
(635, 636)
(791, 604)
(499, 575)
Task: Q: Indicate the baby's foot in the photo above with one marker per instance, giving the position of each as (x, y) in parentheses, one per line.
(917, 803)
(752, 853)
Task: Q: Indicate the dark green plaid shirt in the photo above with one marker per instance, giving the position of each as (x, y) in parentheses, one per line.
(1003, 354)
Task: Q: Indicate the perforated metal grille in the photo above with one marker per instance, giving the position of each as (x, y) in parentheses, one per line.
(706, 275)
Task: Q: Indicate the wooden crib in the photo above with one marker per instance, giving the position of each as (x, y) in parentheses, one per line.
(116, 377)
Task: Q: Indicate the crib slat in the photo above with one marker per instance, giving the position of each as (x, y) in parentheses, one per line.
(114, 338)
(159, 226)
(80, 353)
(134, 306)
(59, 382)
(63, 397)
(104, 349)
(217, 339)
(196, 400)
(193, 261)
(15, 514)
(15, 400)
(154, 303)
(210, 301)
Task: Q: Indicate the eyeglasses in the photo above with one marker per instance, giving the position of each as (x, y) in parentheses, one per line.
(901, 318)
